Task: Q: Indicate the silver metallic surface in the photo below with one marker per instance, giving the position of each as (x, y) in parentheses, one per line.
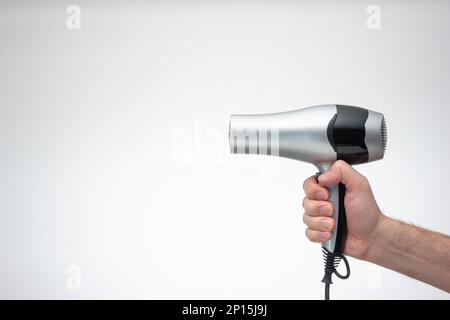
(376, 135)
(334, 198)
(299, 134)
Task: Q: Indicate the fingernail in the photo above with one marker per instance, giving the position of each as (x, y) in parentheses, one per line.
(321, 195)
(326, 224)
(324, 210)
(324, 236)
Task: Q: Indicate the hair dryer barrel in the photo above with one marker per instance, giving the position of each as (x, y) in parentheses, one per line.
(319, 135)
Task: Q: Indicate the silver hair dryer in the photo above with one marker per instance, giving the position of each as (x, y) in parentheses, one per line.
(319, 135)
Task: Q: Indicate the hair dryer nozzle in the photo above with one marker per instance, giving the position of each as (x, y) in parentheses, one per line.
(375, 135)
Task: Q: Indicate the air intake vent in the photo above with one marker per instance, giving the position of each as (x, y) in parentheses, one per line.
(384, 134)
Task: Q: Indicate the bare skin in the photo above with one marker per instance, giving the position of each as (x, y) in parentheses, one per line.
(410, 250)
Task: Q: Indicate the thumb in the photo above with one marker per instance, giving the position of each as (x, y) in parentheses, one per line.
(342, 172)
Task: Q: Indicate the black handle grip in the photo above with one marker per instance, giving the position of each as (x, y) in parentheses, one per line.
(341, 227)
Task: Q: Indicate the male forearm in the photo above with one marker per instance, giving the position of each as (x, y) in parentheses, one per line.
(413, 251)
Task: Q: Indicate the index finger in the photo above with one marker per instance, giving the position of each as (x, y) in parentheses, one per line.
(313, 190)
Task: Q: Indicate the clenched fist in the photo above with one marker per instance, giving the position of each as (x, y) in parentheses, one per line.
(363, 214)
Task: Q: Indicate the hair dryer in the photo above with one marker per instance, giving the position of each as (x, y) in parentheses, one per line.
(319, 135)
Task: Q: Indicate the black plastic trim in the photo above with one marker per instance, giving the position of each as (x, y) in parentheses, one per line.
(346, 133)
(341, 231)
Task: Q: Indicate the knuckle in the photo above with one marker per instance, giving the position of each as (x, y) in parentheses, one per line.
(307, 204)
(311, 235)
(305, 183)
(339, 163)
(365, 181)
(307, 233)
(304, 217)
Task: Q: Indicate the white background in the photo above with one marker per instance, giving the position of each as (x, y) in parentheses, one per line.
(114, 158)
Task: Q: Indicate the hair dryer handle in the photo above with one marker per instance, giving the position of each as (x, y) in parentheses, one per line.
(337, 242)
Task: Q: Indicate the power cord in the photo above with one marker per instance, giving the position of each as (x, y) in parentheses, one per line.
(331, 261)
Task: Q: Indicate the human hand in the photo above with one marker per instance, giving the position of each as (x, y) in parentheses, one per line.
(363, 215)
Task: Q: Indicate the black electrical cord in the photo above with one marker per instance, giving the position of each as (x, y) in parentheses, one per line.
(331, 261)
(327, 291)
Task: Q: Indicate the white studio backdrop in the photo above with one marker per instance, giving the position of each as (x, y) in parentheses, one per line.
(115, 175)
